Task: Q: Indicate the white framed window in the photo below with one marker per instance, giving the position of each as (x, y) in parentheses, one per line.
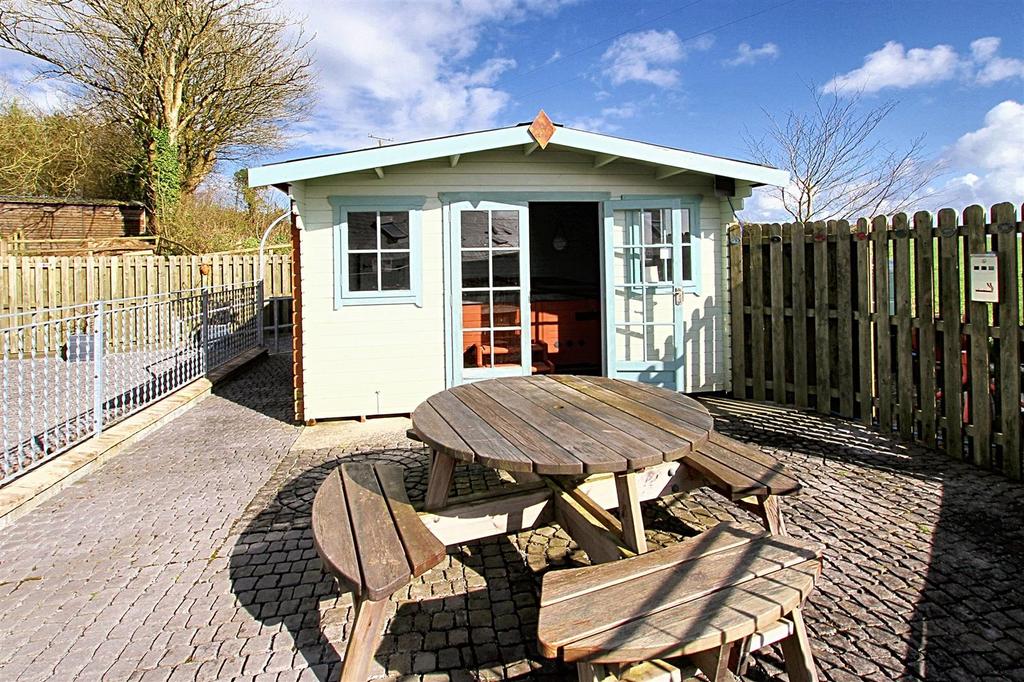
(378, 250)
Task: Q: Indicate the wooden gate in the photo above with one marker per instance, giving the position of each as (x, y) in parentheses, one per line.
(877, 321)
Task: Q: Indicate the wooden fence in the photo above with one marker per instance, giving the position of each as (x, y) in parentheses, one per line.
(876, 321)
(35, 282)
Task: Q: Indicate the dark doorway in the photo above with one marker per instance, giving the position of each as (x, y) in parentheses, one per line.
(565, 287)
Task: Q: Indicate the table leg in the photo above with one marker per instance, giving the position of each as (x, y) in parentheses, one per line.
(629, 512)
(442, 470)
(770, 511)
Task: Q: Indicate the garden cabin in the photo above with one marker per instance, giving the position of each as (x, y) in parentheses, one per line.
(534, 248)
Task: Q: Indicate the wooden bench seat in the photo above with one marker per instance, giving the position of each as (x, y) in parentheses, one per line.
(372, 541)
(697, 598)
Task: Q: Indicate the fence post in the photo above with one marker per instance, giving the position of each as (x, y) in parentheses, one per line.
(97, 364)
(204, 328)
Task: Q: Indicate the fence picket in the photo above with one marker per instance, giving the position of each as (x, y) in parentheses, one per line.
(798, 257)
(924, 252)
(756, 279)
(865, 349)
(844, 321)
(978, 320)
(738, 318)
(822, 346)
(904, 345)
(949, 309)
(778, 302)
(1008, 384)
(883, 328)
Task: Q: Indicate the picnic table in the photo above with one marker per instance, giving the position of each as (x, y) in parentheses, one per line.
(579, 446)
(565, 432)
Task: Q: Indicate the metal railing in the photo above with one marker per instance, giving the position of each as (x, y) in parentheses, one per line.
(68, 373)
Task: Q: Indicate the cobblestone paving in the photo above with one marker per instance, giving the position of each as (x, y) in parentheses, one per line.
(191, 558)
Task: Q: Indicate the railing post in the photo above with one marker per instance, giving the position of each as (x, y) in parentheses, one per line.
(98, 343)
(259, 314)
(204, 329)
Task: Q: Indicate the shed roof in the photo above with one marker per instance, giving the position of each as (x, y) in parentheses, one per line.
(606, 148)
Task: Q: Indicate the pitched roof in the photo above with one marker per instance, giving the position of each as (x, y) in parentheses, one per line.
(605, 147)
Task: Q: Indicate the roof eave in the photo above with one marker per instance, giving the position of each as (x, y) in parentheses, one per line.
(595, 143)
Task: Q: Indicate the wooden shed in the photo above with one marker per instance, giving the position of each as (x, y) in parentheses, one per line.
(534, 248)
(55, 218)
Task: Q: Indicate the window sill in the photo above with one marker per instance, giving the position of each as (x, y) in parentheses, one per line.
(380, 299)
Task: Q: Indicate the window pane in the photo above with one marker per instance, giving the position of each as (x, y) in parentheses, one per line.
(660, 305)
(362, 231)
(506, 268)
(476, 306)
(474, 229)
(362, 272)
(657, 227)
(627, 266)
(658, 264)
(394, 271)
(629, 343)
(687, 258)
(505, 228)
(506, 309)
(661, 343)
(507, 348)
(394, 230)
(684, 228)
(476, 349)
(629, 305)
(474, 269)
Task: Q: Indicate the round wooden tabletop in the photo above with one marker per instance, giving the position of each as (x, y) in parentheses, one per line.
(560, 424)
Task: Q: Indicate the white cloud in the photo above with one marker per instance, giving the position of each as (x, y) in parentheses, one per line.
(607, 120)
(745, 54)
(988, 160)
(895, 67)
(407, 69)
(984, 49)
(649, 57)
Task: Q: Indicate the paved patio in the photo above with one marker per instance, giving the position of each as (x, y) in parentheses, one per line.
(190, 557)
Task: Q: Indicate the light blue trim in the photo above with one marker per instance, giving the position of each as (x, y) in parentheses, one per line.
(342, 206)
(467, 143)
(668, 374)
(447, 295)
(457, 374)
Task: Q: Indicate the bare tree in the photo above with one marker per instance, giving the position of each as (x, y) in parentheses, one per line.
(839, 167)
(197, 80)
(64, 153)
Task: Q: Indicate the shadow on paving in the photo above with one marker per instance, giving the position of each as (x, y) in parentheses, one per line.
(922, 571)
(264, 386)
(475, 612)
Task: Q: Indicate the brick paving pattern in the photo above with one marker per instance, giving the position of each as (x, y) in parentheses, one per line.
(190, 557)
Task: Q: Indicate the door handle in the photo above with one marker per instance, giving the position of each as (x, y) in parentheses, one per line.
(677, 295)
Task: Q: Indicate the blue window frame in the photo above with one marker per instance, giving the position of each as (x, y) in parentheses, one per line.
(378, 250)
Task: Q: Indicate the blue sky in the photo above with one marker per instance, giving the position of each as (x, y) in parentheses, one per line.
(682, 73)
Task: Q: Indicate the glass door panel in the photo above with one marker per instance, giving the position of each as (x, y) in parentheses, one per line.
(491, 284)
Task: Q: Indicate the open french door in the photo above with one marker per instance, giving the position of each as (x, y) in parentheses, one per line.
(644, 290)
(490, 287)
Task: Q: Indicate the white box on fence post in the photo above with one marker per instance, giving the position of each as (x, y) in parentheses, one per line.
(984, 278)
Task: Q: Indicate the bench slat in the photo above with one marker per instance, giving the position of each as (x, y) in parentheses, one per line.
(381, 557)
(709, 621)
(332, 533)
(569, 584)
(422, 549)
(631, 598)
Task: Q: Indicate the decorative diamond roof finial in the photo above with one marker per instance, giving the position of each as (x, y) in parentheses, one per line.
(542, 129)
